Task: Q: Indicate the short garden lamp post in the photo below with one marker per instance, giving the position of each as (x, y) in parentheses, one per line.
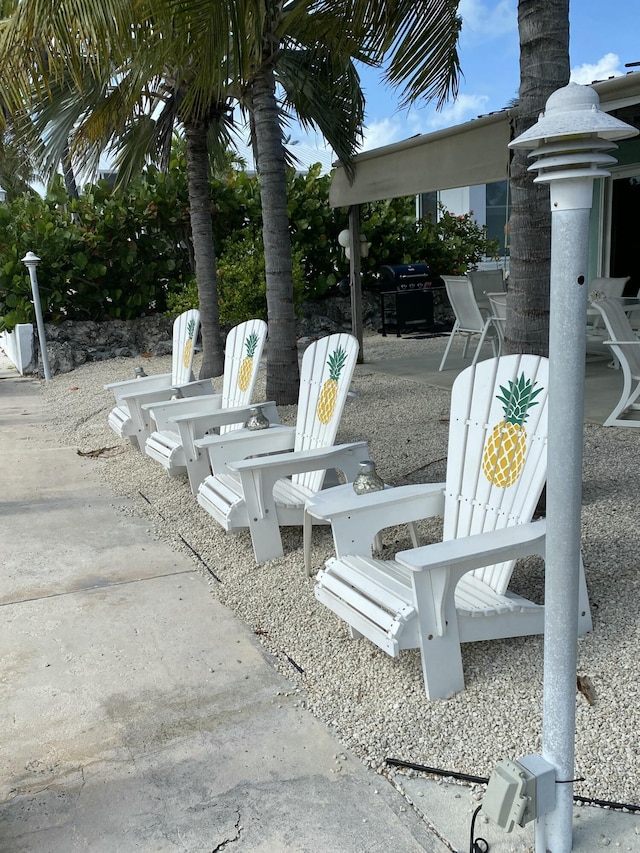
(569, 142)
(31, 261)
(3, 194)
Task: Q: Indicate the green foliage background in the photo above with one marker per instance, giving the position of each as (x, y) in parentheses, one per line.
(118, 256)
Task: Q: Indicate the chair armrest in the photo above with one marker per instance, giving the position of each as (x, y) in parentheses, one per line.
(467, 553)
(259, 476)
(232, 415)
(357, 519)
(140, 405)
(139, 385)
(240, 443)
(198, 388)
(301, 461)
(437, 568)
(194, 428)
(168, 411)
(401, 504)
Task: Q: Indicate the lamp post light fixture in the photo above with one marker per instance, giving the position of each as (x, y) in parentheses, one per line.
(3, 194)
(31, 261)
(569, 142)
(344, 239)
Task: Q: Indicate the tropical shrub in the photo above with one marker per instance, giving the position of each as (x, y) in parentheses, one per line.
(242, 285)
(108, 255)
(103, 257)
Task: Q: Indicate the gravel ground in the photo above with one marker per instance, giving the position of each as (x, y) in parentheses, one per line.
(376, 704)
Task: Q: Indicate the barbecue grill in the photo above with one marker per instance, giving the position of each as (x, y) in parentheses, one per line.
(406, 296)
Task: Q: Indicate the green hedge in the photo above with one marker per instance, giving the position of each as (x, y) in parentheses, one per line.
(107, 256)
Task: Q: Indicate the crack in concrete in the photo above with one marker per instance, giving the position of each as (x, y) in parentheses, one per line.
(224, 843)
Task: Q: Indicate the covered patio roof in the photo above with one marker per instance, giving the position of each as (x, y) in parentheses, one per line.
(461, 156)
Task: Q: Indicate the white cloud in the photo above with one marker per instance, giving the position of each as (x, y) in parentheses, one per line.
(464, 108)
(404, 125)
(488, 21)
(608, 66)
(384, 132)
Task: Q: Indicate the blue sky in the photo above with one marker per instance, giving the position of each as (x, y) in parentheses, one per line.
(603, 37)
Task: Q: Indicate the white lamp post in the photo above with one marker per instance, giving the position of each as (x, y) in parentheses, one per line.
(3, 194)
(569, 141)
(31, 261)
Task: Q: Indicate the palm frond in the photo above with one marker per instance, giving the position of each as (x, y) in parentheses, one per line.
(325, 93)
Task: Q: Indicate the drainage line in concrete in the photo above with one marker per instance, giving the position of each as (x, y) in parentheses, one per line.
(183, 540)
(195, 554)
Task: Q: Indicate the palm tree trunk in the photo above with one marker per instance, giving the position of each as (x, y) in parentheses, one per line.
(68, 173)
(283, 374)
(203, 247)
(544, 67)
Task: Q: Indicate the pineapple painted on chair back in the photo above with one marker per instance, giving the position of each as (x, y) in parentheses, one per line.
(246, 368)
(188, 347)
(505, 450)
(329, 392)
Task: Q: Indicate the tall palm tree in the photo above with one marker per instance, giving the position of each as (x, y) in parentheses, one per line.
(544, 67)
(297, 55)
(237, 49)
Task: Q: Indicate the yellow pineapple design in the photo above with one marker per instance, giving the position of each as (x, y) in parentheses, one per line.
(329, 392)
(188, 347)
(246, 368)
(506, 447)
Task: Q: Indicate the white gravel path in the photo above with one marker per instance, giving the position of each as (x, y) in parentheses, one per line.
(375, 704)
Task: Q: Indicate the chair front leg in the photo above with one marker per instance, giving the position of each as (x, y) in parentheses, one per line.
(440, 652)
(257, 488)
(196, 460)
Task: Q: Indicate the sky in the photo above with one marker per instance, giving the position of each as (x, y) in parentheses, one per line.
(603, 36)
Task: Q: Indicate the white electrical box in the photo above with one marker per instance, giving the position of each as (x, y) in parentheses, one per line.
(520, 791)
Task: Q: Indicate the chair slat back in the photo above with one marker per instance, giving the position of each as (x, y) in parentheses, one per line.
(498, 450)
(325, 376)
(486, 281)
(619, 329)
(464, 304)
(185, 335)
(242, 354)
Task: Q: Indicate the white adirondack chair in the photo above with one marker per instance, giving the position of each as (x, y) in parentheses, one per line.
(127, 418)
(438, 596)
(625, 346)
(268, 492)
(178, 423)
(470, 321)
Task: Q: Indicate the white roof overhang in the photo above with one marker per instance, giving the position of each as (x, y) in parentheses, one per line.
(465, 155)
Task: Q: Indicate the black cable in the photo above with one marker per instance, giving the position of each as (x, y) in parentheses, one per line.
(478, 845)
(483, 780)
(422, 768)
